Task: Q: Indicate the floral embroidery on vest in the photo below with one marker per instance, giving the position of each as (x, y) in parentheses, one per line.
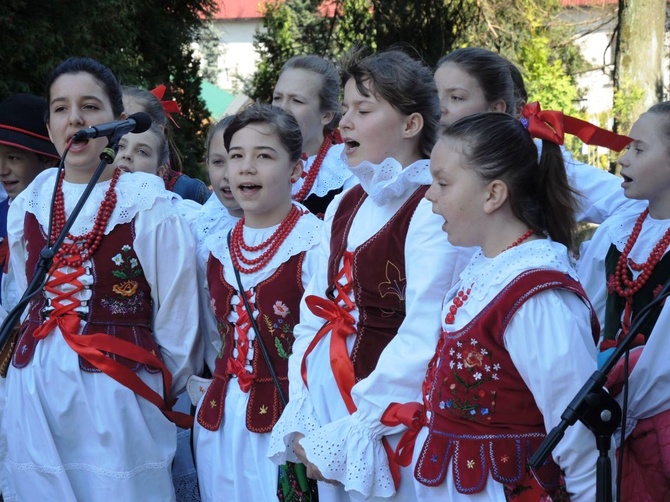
(128, 299)
(471, 366)
(284, 341)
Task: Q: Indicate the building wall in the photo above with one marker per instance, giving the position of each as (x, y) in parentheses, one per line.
(238, 57)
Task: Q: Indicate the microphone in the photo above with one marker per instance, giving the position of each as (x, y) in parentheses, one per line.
(137, 122)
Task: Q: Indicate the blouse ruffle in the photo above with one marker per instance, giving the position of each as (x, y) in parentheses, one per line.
(299, 417)
(345, 450)
(389, 180)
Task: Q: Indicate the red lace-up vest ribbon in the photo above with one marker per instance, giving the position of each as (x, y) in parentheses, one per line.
(340, 324)
(93, 347)
(236, 365)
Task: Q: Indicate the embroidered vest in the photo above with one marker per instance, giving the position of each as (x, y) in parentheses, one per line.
(278, 305)
(120, 303)
(483, 418)
(379, 272)
(615, 304)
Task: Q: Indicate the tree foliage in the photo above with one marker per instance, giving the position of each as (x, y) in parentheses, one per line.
(144, 42)
(528, 32)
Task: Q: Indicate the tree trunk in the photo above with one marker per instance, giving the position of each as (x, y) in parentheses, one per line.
(638, 67)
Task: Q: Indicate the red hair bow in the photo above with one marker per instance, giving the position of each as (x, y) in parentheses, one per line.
(552, 126)
(170, 106)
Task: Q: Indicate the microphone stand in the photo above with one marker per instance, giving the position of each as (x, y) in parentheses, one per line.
(49, 252)
(597, 409)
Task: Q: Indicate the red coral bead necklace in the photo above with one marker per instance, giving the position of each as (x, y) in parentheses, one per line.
(623, 285)
(271, 245)
(82, 247)
(314, 169)
(462, 296)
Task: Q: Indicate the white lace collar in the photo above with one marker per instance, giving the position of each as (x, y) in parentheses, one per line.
(388, 180)
(620, 226)
(135, 192)
(213, 217)
(485, 274)
(332, 175)
(305, 235)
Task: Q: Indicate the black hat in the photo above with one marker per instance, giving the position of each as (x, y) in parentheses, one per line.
(22, 124)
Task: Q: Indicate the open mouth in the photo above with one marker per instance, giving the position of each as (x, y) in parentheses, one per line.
(249, 187)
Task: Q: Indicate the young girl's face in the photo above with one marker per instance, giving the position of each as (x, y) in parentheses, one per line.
(217, 166)
(78, 100)
(140, 152)
(372, 130)
(297, 92)
(645, 167)
(260, 172)
(460, 94)
(457, 193)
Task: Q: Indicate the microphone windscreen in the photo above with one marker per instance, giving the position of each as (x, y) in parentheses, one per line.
(142, 121)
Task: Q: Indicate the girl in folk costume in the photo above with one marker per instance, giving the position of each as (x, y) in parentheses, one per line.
(623, 269)
(112, 331)
(146, 152)
(366, 329)
(271, 248)
(136, 99)
(221, 211)
(498, 383)
(309, 89)
(474, 80)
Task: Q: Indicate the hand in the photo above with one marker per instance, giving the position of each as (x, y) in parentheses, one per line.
(313, 471)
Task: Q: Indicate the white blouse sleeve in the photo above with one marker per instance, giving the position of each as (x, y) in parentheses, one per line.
(166, 249)
(350, 450)
(600, 192)
(299, 416)
(18, 253)
(550, 342)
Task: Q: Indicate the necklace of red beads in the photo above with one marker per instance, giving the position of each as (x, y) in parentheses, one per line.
(270, 245)
(462, 296)
(314, 169)
(627, 288)
(82, 247)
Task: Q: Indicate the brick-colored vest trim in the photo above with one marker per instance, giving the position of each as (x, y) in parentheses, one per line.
(278, 305)
(379, 276)
(483, 417)
(120, 303)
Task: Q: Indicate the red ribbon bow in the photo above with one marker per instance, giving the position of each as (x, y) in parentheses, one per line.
(552, 126)
(170, 106)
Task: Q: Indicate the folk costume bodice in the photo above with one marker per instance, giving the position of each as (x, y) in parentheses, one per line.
(108, 294)
(275, 305)
(481, 417)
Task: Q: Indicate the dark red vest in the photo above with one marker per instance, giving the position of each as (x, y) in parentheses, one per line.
(276, 323)
(120, 303)
(483, 416)
(379, 276)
